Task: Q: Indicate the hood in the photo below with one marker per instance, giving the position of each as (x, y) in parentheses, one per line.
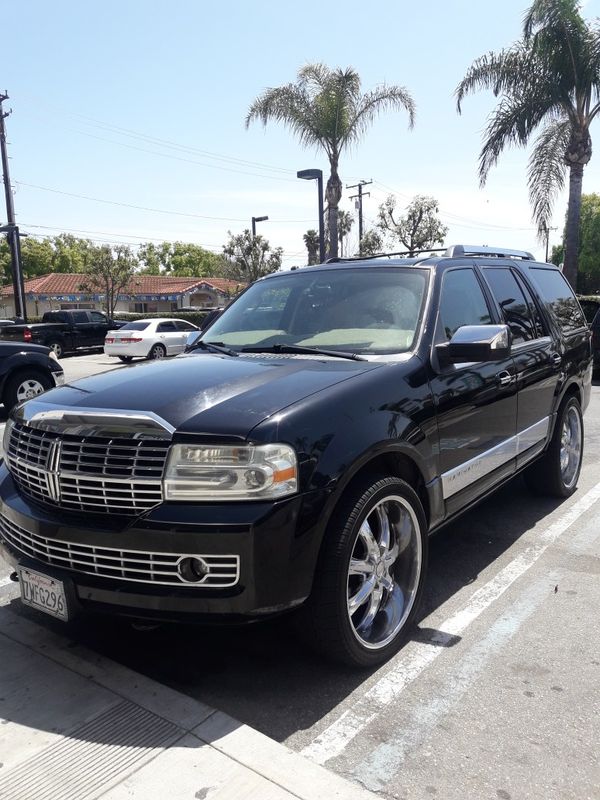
(206, 393)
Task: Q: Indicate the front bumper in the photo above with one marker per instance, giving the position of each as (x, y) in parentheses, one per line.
(276, 560)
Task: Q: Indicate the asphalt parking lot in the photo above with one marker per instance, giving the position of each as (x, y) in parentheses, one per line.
(495, 696)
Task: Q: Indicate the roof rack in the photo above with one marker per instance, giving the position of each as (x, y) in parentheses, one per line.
(483, 250)
(404, 253)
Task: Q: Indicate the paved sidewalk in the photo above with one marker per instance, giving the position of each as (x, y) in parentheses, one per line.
(77, 726)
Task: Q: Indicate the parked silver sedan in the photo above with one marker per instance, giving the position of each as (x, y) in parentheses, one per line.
(148, 338)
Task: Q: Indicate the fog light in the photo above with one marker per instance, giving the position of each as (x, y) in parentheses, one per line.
(192, 569)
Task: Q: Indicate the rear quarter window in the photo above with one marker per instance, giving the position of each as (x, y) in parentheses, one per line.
(559, 296)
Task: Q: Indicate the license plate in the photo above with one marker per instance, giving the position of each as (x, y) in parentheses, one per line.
(43, 593)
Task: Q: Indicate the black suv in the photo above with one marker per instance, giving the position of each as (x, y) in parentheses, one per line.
(298, 458)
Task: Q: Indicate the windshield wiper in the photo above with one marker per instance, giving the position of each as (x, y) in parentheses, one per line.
(212, 347)
(298, 348)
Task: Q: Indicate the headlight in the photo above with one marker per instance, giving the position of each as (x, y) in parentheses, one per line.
(204, 472)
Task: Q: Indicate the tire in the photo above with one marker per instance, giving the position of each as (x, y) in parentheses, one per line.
(23, 386)
(557, 472)
(57, 346)
(364, 600)
(157, 351)
(125, 359)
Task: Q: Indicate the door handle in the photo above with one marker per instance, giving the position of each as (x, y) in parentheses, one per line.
(504, 378)
(556, 359)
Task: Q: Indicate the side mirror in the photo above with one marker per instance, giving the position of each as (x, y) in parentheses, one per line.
(192, 338)
(478, 343)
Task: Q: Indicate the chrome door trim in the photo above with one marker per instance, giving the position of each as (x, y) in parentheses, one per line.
(459, 478)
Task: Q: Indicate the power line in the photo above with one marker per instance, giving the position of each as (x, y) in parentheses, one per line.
(145, 208)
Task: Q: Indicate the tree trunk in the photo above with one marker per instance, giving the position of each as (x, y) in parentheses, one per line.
(572, 226)
(333, 195)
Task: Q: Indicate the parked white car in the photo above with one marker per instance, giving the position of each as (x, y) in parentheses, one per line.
(148, 338)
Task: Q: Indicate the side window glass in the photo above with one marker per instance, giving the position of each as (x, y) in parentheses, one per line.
(558, 294)
(513, 305)
(165, 327)
(98, 317)
(462, 302)
(80, 316)
(538, 322)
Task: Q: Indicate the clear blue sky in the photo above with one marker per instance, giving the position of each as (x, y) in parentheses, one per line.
(185, 72)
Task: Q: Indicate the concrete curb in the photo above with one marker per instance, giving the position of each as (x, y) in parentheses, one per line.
(215, 757)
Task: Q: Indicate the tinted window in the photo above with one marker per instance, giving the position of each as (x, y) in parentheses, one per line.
(135, 326)
(462, 302)
(512, 302)
(98, 317)
(181, 325)
(538, 322)
(164, 327)
(590, 309)
(558, 294)
(79, 316)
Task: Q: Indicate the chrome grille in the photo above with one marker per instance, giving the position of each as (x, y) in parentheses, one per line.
(93, 473)
(138, 566)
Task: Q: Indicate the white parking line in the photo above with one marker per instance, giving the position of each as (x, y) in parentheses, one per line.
(418, 655)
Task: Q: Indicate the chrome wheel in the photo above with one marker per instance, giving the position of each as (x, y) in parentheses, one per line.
(56, 348)
(570, 447)
(29, 388)
(384, 572)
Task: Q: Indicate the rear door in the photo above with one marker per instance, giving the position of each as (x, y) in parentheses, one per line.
(184, 328)
(537, 356)
(169, 336)
(476, 403)
(99, 327)
(83, 329)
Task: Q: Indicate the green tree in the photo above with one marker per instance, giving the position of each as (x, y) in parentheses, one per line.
(345, 223)
(372, 243)
(312, 242)
(180, 259)
(419, 229)
(589, 245)
(69, 253)
(325, 109)
(250, 258)
(549, 78)
(107, 271)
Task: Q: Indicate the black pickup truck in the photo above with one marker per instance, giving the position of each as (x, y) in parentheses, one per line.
(64, 331)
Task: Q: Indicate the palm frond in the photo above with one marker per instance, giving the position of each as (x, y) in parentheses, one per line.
(382, 98)
(292, 106)
(547, 169)
(511, 124)
(502, 72)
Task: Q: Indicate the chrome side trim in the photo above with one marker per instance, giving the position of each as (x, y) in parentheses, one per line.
(458, 478)
(93, 421)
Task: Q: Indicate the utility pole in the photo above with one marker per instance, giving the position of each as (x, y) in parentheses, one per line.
(11, 229)
(547, 233)
(360, 196)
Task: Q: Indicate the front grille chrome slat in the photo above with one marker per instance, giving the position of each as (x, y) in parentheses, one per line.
(97, 474)
(135, 566)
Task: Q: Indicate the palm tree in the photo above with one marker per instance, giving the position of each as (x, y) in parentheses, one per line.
(312, 242)
(549, 78)
(325, 109)
(345, 223)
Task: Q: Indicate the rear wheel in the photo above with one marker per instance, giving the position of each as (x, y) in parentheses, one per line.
(557, 472)
(24, 386)
(157, 351)
(56, 346)
(371, 572)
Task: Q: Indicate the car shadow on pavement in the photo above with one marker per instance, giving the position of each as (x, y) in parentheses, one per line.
(262, 674)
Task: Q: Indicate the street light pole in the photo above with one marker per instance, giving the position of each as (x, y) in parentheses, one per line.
(311, 175)
(254, 221)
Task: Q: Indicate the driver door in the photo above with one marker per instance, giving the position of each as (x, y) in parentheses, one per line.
(476, 403)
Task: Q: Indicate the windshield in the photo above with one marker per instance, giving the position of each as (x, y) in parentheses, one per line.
(362, 310)
(135, 326)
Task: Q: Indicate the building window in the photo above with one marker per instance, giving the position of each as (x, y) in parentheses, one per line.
(143, 308)
(67, 306)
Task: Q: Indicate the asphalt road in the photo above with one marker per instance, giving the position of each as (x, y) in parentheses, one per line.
(496, 695)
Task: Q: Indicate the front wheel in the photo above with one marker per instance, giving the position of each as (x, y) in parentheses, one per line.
(557, 472)
(371, 572)
(24, 386)
(157, 351)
